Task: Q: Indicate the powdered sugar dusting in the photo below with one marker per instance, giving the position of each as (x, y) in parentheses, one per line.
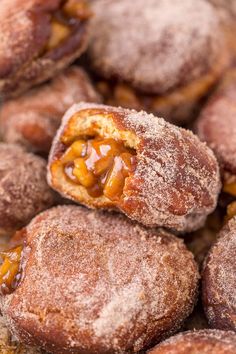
(199, 342)
(43, 108)
(176, 182)
(172, 43)
(101, 281)
(219, 282)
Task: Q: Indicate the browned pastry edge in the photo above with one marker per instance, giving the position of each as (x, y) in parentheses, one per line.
(32, 119)
(33, 65)
(216, 124)
(23, 187)
(198, 342)
(98, 283)
(176, 181)
(218, 280)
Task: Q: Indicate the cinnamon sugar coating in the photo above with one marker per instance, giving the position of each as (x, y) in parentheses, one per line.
(219, 282)
(32, 120)
(26, 27)
(198, 342)
(171, 45)
(216, 124)
(99, 283)
(176, 181)
(23, 188)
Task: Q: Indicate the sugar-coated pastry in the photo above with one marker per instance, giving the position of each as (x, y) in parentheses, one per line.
(206, 341)
(219, 281)
(90, 282)
(165, 60)
(10, 346)
(216, 125)
(32, 119)
(39, 38)
(23, 187)
(115, 158)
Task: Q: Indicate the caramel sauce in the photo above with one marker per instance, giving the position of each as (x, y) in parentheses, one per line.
(10, 271)
(99, 165)
(230, 188)
(231, 211)
(65, 20)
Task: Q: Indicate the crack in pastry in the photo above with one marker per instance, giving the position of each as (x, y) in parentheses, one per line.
(38, 40)
(115, 158)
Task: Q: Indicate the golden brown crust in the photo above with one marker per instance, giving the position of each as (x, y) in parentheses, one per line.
(219, 282)
(25, 31)
(160, 51)
(176, 181)
(23, 188)
(216, 124)
(198, 342)
(32, 120)
(98, 283)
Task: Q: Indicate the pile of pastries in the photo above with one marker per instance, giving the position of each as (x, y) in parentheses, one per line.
(118, 176)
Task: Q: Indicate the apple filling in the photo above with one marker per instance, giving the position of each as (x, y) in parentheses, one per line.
(63, 21)
(99, 165)
(10, 270)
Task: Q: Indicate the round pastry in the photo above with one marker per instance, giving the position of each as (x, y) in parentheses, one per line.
(219, 281)
(115, 158)
(198, 342)
(23, 187)
(32, 120)
(216, 126)
(170, 57)
(38, 38)
(89, 282)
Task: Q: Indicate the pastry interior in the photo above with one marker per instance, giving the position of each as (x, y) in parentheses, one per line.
(65, 21)
(96, 159)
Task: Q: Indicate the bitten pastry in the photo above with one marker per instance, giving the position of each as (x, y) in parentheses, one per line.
(23, 187)
(198, 342)
(115, 158)
(89, 282)
(219, 281)
(216, 125)
(37, 39)
(32, 120)
(164, 61)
